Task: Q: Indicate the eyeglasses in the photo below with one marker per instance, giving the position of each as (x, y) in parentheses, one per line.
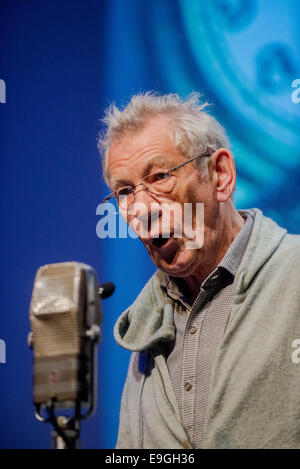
(157, 183)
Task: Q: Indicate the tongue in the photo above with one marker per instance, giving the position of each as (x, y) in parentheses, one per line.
(169, 252)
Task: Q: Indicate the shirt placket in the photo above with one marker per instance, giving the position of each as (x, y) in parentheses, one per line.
(191, 341)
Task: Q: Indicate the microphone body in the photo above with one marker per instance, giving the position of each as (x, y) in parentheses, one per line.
(65, 317)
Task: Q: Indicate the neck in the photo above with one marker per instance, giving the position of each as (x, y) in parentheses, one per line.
(230, 224)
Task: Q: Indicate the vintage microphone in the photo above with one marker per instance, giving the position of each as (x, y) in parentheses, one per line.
(65, 316)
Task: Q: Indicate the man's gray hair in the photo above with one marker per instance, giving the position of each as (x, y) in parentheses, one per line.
(193, 131)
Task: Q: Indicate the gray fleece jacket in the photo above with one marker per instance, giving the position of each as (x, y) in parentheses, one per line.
(254, 397)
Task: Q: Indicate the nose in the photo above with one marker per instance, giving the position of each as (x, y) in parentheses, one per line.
(143, 210)
(142, 204)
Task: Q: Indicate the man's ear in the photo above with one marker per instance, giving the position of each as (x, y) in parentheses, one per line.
(224, 174)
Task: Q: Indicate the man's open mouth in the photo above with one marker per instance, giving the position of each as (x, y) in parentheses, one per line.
(161, 241)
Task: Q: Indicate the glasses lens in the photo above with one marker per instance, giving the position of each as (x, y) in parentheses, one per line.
(123, 195)
(161, 183)
(124, 192)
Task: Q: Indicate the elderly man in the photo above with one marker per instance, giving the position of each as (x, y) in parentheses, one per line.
(215, 332)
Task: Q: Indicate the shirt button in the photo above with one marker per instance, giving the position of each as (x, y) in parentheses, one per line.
(192, 330)
(187, 386)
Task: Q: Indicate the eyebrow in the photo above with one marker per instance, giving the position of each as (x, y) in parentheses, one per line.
(115, 183)
(155, 161)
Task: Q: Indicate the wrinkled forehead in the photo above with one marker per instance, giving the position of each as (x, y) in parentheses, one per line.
(142, 151)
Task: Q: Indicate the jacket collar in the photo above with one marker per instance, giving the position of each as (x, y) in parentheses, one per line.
(264, 240)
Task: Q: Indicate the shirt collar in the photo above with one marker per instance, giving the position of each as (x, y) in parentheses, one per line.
(229, 263)
(236, 250)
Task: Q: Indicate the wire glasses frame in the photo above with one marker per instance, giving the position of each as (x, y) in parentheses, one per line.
(131, 190)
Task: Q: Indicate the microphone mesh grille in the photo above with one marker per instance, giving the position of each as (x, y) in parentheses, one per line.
(57, 309)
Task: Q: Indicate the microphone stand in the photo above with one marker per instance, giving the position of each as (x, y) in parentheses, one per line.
(66, 432)
(71, 434)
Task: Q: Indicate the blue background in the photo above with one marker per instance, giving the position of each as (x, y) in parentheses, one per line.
(63, 62)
